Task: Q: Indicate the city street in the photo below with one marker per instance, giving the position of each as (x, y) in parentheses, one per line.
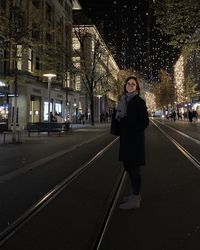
(99, 125)
(167, 219)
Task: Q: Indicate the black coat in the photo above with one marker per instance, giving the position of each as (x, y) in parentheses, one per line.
(132, 138)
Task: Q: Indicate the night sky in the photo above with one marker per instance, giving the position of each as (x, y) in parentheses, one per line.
(131, 34)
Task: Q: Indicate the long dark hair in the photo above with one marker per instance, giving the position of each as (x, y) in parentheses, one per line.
(135, 79)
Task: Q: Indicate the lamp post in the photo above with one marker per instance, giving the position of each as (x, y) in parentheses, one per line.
(49, 76)
(99, 112)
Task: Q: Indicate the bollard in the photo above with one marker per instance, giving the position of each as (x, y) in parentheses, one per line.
(4, 137)
(18, 136)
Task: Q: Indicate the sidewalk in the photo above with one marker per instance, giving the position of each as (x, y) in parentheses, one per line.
(31, 150)
(177, 120)
(22, 136)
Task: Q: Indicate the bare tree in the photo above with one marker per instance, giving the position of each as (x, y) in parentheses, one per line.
(91, 63)
(22, 34)
(14, 32)
(164, 90)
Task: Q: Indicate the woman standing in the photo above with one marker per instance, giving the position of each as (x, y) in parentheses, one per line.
(133, 119)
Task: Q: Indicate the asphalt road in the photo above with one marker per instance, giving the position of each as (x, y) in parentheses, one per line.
(168, 219)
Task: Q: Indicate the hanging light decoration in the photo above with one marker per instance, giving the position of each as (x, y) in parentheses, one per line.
(179, 79)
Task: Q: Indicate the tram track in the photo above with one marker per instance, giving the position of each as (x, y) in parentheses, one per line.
(109, 212)
(106, 216)
(181, 133)
(9, 231)
(188, 155)
(180, 147)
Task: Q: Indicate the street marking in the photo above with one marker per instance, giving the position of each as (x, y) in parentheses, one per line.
(30, 166)
(181, 133)
(48, 197)
(189, 156)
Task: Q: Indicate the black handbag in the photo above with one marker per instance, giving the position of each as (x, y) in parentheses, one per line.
(114, 128)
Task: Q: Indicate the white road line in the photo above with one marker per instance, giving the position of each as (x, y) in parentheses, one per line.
(181, 133)
(189, 156)
(30, 166)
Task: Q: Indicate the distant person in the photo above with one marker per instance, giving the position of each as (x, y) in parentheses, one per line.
(190, 116)
(185, 115)
(133, 119)
(106, 117)
(173, 115)
(102, 117)
(52, 117)
(195, 114)
(86, 115)
(58, 117)
(79, 117)
(179, 115)
(83, 119)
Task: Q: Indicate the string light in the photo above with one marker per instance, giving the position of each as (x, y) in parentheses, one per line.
(150, 101)
(179, 79)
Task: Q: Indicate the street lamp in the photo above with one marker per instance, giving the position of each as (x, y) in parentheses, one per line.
(99, 112)
(49, 76)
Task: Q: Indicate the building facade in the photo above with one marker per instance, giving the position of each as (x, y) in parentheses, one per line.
(95, 72)
(37, 40)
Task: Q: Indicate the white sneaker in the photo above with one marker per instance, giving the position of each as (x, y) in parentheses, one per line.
(127, 198)
(132, 203)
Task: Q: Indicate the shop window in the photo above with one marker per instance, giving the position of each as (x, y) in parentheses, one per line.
(35, 107)
(3, 112)
(58, 108)
(46, 110)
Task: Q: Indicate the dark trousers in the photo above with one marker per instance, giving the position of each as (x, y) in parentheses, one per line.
(135, 177)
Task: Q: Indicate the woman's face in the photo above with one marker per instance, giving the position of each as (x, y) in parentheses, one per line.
(131, 86)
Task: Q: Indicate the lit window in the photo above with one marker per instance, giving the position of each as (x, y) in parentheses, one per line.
(29, 60)
(66, 83)
(77, 82)
(76, 62)
(68, 79)
(76, 43)
(92, 45)
(19, 57)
